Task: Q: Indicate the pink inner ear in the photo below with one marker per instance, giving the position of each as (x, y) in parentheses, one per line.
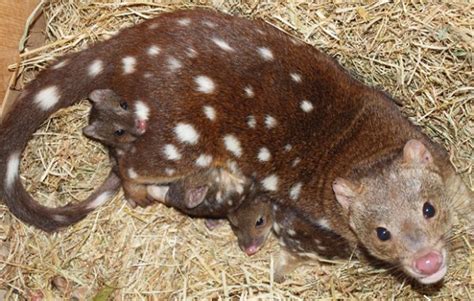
(416, 152)
(96, 95)
(343, 191)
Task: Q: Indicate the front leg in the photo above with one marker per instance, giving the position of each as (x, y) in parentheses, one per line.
(136, 194)
(286, 262)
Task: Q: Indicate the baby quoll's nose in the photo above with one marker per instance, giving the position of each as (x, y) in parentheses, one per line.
(251, 250)
(141, 126)
(429, 264)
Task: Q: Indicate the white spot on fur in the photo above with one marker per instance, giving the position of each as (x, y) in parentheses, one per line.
(296, 162)
(270, 183)
(13, 166)
(100, 200)
(251, 121)
(153, 50)
(306, 106)
(276, 228)
(191, 53)
(287, 147)
(322, 248)
(60, 218)
(324, 223)
(209, 24)
(171, 152)
(132, 174)
(233, 167)
(95, 68)
(296, 77)
(158, 192)
(210, 112)
(60, 64)
(153, 26)
(170, 171)
(184, 21)
(265, 53)
(142, 110)
(282, 243)
(186, 133)
(291, 232)
(204, 160)
(249, 91)
(295, 190)
(222, 44)
(47, 97)
(174, 64)
(129, 63)
(204, 84)
(264, 154)
(232, 144)
(270, 122)
(317, 241)
(147, 74)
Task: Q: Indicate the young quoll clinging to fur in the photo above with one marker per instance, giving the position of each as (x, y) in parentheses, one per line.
(112, 122)
(211, 194)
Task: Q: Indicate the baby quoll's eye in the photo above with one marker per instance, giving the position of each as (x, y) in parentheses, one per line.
(428, 210)
(383, 234)
(260, 221)
(119, 132)
(124, 105)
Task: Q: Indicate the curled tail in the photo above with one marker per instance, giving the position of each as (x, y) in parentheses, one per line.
(65, 83)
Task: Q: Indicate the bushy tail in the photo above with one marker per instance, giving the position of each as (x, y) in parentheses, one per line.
(62, 85)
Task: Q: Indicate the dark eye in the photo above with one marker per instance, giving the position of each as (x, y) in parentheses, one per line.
(383, 234)
(119, 132)
(428, 210)
(260, 221)
(124, 105)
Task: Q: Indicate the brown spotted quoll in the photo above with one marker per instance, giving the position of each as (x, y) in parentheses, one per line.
(219, 91)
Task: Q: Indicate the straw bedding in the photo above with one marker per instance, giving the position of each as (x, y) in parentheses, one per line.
(420, 53)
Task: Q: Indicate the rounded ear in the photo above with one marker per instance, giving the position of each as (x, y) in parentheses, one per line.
(195, 196)
(415, 152)
(99, 95)
(345, 191)
(89, 131)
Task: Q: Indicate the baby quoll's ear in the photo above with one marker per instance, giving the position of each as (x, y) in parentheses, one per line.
(415, 152)
(90, 131)
(345, 191)
(195, 196)
(100, 94)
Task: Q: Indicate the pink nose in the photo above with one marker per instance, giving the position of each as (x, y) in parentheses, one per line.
(141, 126)
(251, 250)
(429, 264)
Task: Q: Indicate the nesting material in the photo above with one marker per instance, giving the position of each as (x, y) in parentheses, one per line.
(420, 53)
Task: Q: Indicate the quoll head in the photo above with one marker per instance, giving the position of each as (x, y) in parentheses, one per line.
(252, 222)
(402, 215)
(112, 120)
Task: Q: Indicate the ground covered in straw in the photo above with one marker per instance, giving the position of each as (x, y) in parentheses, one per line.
(420, 53)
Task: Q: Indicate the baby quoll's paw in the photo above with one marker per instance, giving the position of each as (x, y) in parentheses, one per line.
(212, 223)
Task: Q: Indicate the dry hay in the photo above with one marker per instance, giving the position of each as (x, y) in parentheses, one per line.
(420, 53)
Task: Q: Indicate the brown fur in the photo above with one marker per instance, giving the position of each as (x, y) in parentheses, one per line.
(353, 133)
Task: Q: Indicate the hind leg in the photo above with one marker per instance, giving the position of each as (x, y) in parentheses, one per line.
(136, 194)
